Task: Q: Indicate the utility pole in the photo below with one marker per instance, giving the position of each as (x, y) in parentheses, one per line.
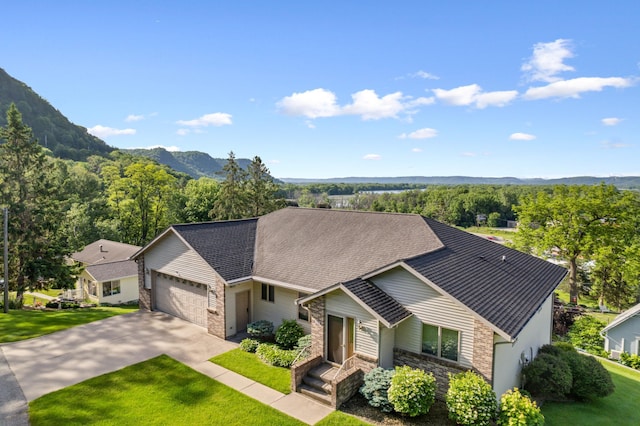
(6, 260)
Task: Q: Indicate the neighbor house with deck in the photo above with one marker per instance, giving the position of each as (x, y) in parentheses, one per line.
(623, 333)
(373, 289)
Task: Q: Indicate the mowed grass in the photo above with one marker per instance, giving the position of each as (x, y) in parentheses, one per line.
(338, 418)
(25, 324)
(250, 366)
(160, 391)
(620, 408)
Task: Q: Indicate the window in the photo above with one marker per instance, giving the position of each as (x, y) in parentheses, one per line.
(441, 342)
(93, 288)
(268, 292)
(303, 313)
(110, 288)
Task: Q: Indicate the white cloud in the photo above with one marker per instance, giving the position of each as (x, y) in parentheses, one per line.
(548, 60)
(574, 87)
(366, 103)
(611, 121)
(613, 144)
(425, 75)
(521, 137)
(473, 94)
(416, 149)
(469, 154)
(310, 124)
(312, 104)
(424, 133)
(133, 117)
(183, 132)
(216, 119)
(372, 157)
(103, 131)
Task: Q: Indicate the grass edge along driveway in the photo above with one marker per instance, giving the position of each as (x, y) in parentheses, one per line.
(22, 324)
(159, 391)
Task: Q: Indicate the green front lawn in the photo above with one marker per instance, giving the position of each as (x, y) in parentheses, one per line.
(250, 366)
(160, 391)
(619, 408)
(25, 324)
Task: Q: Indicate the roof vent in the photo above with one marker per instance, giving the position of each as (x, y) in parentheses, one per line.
(504, 258)
(101, 248)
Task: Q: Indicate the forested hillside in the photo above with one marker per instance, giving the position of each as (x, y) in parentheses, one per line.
(52, 129)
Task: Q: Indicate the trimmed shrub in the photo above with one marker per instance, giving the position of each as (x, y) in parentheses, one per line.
(630, 360)
(585, 334)
(470, 399)
(273, 355)
(303, 346)
(262, 329)
(517, 409)
(375, 388)
(412, 391)
(548, 375)
(557, 349)
(249, 345)
(590, 379)
(288, 333)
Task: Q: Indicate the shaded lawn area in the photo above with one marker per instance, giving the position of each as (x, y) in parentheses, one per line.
(160, 391)
(24, 324)
(250, 366)
(619, 408)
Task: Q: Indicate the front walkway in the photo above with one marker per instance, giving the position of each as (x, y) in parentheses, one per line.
(55, 361)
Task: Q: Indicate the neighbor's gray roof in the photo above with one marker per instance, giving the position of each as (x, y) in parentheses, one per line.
(629, 313)
(112, 251)
(113, 270)
(227, 246)
(471, 269)
(316, 248)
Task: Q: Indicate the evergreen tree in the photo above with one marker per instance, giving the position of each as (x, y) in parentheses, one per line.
(232, 197)
(261, 189)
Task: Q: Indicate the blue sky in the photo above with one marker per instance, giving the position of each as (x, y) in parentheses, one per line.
(346, 88)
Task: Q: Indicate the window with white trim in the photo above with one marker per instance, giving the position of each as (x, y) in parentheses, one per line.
(441, 342)
(110, 288)
(268, 293)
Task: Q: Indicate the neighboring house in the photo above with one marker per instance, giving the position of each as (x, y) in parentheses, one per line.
(108, 275)
(373, 289)
(623, 333)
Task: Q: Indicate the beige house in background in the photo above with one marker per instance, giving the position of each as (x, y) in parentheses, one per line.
(373, 289)
(108, 275)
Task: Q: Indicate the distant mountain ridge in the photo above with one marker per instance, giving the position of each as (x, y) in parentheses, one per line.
(194, 163)
(623, 182)
(52, 129)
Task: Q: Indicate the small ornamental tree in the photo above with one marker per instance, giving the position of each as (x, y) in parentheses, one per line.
(375, 388)
(412, 391)
(517, 409)
(470, 399)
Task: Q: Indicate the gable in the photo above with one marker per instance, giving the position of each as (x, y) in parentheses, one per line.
(630, 315)
(104, 251)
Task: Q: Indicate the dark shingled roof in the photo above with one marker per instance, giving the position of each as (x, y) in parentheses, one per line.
(471, 269)
(113, 270)
(226, 246)
(387, 308)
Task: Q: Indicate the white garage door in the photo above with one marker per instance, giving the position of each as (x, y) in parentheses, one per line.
(186, 300)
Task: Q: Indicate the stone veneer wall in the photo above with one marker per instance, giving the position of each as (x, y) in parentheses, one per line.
(300, 369)
(439, 368)
(344, 387)
(144, 298)
(317, 313)
(216, 323)
(483, 350)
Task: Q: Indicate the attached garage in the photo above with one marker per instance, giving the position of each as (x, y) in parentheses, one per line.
(181, 298)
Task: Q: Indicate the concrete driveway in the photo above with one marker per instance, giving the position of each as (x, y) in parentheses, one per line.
(48, 363)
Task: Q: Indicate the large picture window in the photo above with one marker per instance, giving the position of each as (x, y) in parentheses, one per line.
(441, 342)
(110, 288)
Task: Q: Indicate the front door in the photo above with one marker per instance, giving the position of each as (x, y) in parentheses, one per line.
(340, 338)
(242, 311)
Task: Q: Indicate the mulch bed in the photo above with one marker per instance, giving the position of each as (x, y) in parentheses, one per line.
(359, 407)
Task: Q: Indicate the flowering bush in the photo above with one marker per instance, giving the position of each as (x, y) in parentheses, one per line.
(470, 399)
(517, 409)
(412, 391)
(375, 388)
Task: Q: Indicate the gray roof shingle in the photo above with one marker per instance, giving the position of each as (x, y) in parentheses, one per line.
(227, 246)
(471, 269)
(103, 251)
(113, 270)
(385, 306)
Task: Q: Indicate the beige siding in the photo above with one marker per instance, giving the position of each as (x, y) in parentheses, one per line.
(128, 292)
(171, 256)
(428, 306)
(283, 307)
(536, 333)
(230, 308)
(366, 338)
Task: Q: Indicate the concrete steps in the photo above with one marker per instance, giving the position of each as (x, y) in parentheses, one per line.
(317, 383)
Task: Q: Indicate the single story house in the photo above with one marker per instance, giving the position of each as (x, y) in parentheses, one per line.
(623, 333)
(373, 289)
(108, 275)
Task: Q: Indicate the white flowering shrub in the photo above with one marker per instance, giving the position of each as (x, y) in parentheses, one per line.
(412, 391)
(470, 399)
(517, 409)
